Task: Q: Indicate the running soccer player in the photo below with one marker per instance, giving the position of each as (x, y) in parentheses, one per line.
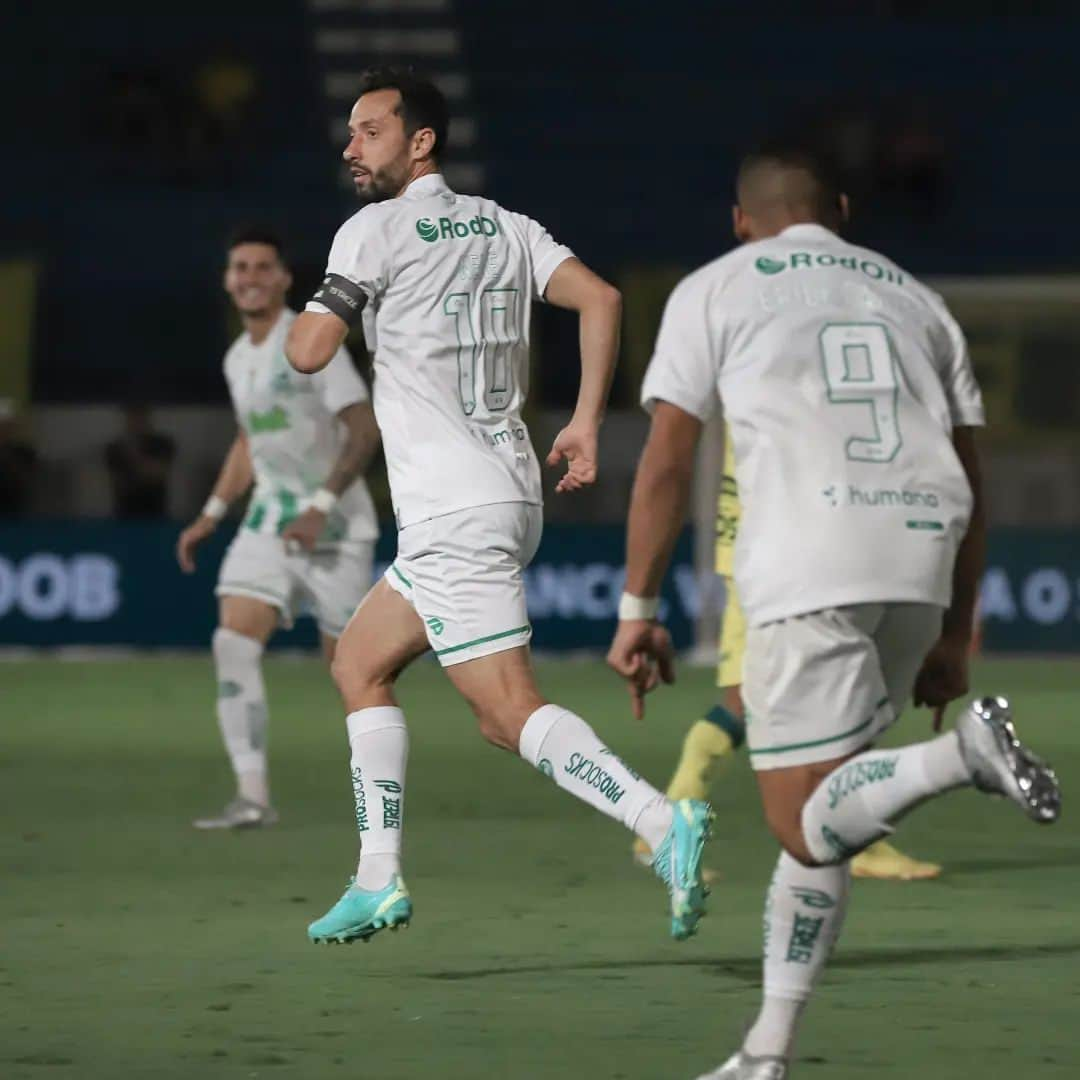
(307, 543)
(444, 284)
(722, 730)
(851, 403)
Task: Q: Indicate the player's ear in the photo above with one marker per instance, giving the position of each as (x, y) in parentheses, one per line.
(740, 225)
(423, 143)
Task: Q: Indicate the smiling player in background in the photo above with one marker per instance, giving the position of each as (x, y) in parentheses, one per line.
(307, 543)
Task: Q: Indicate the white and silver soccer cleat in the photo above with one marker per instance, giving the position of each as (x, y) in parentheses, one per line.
(241, 813)
(1000, 764)
(741, 1066)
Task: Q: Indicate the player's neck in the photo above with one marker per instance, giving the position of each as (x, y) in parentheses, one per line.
(799, 217)
(421, 168)
(258, 326)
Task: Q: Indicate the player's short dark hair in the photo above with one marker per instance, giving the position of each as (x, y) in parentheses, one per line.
(257, 234)
(423, 104)
(792, 152)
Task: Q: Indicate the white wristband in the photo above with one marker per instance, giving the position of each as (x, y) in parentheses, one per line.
(638, 607)
(323, 500)
(215, 508)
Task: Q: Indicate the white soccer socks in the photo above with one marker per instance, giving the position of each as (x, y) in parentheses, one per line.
(859, 801)
(563, 747)
(379, 741)
(804, 911)
(241, 711)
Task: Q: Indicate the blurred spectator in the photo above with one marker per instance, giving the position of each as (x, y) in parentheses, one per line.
(18, 462)
(139, 463)
(225, 89)
(914, 160)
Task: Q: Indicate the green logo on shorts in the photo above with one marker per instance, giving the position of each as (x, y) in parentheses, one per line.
(437, 626)
(546, 768)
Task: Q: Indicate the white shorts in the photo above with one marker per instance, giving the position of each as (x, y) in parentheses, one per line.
(328, 583)
(463, 573)
(826, 684)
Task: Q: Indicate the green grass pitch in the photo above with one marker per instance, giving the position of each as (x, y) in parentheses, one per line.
(131, 946)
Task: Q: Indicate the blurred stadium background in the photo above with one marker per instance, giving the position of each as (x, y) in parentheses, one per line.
(139, 135)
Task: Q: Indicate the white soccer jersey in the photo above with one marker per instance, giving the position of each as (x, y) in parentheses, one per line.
(841, 380)
(293, 433)
(449, 282)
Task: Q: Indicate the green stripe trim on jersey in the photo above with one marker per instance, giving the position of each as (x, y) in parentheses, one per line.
(255, 516)
(400, 575)
(484, 640)
(289, 509)
(822, 742)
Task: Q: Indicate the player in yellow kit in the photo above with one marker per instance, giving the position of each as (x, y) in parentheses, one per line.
(722, 730)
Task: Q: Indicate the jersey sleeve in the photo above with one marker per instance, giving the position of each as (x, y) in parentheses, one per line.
(957, 374)
(545, 254)
(358, 254)
(339, 383)
(683, 370)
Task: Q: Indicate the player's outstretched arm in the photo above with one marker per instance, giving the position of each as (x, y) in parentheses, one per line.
(361, 442)
(944, 674)
(233, 480)
(599, 306)
(641, 651)
(314, 338)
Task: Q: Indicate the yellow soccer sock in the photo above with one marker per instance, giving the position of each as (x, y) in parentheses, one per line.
(704, 745)
(707, 741)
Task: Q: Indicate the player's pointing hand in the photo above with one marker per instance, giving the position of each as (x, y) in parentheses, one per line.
(642, 654)
(577, 444)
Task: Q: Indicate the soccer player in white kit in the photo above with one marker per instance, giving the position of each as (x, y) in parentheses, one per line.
(444, 284)
(851, 402)
(307, 543)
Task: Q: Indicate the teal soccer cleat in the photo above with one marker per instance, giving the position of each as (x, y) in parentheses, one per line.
(359, 914)
(677, 864)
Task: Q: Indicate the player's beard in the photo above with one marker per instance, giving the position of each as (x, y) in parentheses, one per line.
(383, 184)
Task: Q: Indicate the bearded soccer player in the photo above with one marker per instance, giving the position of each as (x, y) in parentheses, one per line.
(722, 730)
(850, 399)
(307, 543)
(444, 284)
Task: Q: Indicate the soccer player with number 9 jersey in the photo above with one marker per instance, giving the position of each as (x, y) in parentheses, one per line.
(851, 403)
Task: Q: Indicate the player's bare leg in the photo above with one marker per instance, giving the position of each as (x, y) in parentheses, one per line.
(826, 812)
(381, 639)
(513, 714)
(244, 626)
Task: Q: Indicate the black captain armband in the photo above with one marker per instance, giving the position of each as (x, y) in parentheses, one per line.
(344, 298)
